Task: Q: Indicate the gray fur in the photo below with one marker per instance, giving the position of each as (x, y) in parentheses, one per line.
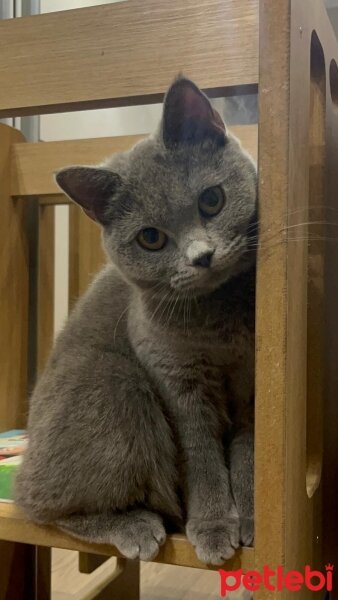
(144, 410)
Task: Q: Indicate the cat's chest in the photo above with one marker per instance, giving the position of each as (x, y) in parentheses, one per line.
(209, 353)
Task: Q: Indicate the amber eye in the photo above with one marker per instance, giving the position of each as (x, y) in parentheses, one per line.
(211, 201)
(151, 238)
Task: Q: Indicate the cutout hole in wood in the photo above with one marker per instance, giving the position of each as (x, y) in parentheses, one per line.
(316, 232)
(334, 83)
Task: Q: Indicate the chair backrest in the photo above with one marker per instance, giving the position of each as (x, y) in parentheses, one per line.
(84, 59)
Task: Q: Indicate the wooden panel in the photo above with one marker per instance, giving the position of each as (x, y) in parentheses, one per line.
(45, 311)
(323, 162)
(292, 157)
(13, 294)
(271, 314)
(28, 180)
(176, 551)
(131, 50)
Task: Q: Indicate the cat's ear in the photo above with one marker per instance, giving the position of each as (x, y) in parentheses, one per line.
(90, 187)
(189, 118)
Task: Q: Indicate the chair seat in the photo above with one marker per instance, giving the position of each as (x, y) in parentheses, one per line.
(15, 527)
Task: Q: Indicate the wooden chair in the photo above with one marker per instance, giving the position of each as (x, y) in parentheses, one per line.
(82, 59)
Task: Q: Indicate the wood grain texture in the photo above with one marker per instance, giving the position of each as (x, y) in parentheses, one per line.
(86, 255)
(271, 312)
(176, 551)
(13, 294)
(320, 527)
(27, 180)
(292, 169)
(84, 58)
(45, 309)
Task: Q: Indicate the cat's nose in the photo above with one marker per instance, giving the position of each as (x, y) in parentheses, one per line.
(203, 260)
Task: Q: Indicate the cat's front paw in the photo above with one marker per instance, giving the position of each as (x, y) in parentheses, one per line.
(140, 536)
(247, 531)
(215, 541)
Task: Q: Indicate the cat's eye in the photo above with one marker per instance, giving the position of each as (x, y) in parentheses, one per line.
(151, 238)
(211, 201)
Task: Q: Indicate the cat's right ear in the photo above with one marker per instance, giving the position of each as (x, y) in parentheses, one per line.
(90, 187)
(189, 118)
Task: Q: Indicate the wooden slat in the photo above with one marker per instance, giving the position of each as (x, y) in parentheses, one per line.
(176, 551)
(124, 52)
(88, 563)
(45, 324)
(28, 180)
(86, 255)
(13, 294)
(54, 200)
(270, 426)
(123, 582)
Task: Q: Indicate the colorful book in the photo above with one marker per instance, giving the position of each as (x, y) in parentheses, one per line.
(13, 443)
(12, 446)
(8, 468)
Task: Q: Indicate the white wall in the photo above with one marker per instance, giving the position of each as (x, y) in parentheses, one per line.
(48, 6)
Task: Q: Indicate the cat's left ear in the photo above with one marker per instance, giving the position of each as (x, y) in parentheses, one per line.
(189, 118)
(90, 187)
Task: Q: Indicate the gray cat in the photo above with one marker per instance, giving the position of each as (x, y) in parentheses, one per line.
(144, 412)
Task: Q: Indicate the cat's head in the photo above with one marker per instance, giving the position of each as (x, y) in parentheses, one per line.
(176, 209)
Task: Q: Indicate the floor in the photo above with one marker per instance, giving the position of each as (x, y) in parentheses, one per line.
(158, 582)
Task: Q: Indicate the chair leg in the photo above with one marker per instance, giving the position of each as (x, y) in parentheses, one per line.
(17, 571)
(127, 584)
(88, 563)
(123, 585)
(43, 569)
(25, 572)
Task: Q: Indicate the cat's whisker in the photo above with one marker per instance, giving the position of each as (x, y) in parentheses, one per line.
(166, 305)
(263, 238)
(173, 308)
(166, 310)
(118, 322)
(309, 223)
(319, 207)
(163, 298)
(309, 208)
(189, 307)
(266, 250)
(185, 317)
(158, 286)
